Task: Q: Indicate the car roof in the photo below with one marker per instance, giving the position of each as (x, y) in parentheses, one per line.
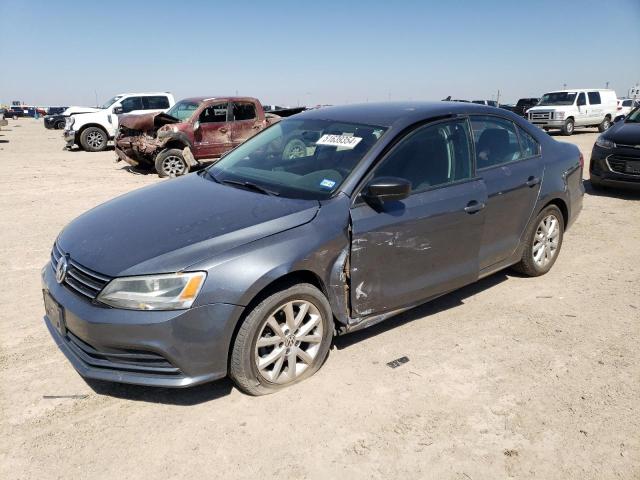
(208, 98)
(386, 114)
(581, 90)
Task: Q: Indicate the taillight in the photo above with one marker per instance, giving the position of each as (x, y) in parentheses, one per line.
(581, 160)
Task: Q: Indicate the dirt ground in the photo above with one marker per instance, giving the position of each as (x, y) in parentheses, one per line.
(509, 377)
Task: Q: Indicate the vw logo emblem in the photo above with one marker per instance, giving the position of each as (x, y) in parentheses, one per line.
(61, 269)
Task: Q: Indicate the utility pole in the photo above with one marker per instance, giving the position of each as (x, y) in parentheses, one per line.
(564, 86)
(606, 85)
(498, 98)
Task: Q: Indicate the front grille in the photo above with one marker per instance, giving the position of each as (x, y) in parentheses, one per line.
(618, 164)
(541, 115)
(137, 361)
(79, 279)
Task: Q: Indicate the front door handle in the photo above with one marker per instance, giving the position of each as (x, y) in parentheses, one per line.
(474, 206)
(532, 181)
(223, 130)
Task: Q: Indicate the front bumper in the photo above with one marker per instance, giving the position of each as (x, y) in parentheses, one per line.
(176, 348)
(607, 166)
(69, 137)
(121, 155)
(551, 124)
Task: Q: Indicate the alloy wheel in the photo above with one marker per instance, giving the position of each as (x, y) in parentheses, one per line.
(173, 166)
(546, 241)
(95, 139)
(289, 341)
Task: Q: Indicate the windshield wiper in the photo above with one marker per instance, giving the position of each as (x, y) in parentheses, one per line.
(249, 186)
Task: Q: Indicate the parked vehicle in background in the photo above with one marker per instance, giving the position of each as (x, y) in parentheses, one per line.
(524, 104)
(615, 158)
(55, 122)
(565, 110)
(490, 103)
(249, 267)
(16, 111)
(55, 110)
(92, 128)
(507, 106)
(283, 111)
(625, 105)
(193, 131)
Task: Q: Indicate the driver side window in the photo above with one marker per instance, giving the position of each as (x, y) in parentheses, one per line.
(431, 156)
(130, 104)
(214, 113)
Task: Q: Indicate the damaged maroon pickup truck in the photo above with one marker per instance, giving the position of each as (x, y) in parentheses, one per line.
(192, 132)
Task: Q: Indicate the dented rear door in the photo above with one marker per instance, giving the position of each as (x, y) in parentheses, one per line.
(245, 122)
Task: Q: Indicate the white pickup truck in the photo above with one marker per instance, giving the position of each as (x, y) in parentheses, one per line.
(91, 128)
(566, 110)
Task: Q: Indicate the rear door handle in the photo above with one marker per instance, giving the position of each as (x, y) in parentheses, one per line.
(223, 130)
(532, 181)
(474, 206)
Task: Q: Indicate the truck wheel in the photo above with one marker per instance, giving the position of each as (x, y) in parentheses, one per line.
(171, 163)
(568, 127)
(606, 123)
(93, 139)
(283, 340)
(295, 148)
(543, 241)
(59, 125)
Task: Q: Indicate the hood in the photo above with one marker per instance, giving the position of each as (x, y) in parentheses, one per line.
(542, 108)
(145, 121)
(74, 110)
(624, 133)
(176, 223)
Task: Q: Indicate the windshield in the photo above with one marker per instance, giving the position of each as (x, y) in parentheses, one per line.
(633, 117)
(111, 101)
(557, 98)
(183, 110)
(298, 158)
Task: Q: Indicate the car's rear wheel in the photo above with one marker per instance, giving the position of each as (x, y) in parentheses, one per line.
(569, 127)
(604, 125)
(171, 163)
(93, 139)
(543, 241)
(283, 340)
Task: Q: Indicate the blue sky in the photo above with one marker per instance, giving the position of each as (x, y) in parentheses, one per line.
(290, 52)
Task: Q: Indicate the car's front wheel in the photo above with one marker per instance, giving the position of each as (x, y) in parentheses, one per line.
(569, 127)
(171, 163)
(283, 340)
(543, 241)
(59, 125)
(93, 139)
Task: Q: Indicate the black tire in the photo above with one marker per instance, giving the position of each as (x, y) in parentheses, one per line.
(568, 127)
(171, 163)
(527, 265)
(295, 148)
(243, 369)
(93, 139)
(59, 125)
(604, 125)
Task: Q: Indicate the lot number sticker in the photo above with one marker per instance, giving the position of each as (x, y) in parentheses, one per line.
(344, 141)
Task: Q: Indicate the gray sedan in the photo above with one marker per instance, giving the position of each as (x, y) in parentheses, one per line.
(327, 222)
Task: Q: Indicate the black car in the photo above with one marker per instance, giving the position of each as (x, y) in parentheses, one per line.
(525, 104)
(55, 122)
(615, 158)
(391, 206)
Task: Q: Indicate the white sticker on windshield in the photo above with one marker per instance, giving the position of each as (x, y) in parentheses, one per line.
(344, 141)
(326, 183)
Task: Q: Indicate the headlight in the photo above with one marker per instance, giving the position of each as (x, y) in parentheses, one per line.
(605, 142)
(558, 115)
(172, 291)
(69, 122)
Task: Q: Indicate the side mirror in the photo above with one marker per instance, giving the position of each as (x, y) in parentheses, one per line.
(619, 118)
(384, 189)
(196, 126)
(118, 110)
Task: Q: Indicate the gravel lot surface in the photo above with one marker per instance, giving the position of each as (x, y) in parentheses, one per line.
(509, 377)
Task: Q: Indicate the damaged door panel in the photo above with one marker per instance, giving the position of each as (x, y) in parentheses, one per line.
(212, 135)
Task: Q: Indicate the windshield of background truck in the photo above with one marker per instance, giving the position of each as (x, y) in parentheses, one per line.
(111, 101)
(634, 116)
(183, 110)
(298, 158)
(557, 98)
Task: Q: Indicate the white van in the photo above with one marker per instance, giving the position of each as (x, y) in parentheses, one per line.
(567, 109)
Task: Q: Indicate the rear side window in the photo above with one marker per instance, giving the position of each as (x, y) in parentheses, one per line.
(431, 156)
(594, 98)
(496, 141)
(530, 146)
(132, 103)
(214, 113)
(155, 103)
(244, 111)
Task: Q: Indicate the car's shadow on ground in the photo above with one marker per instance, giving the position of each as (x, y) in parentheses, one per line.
(622, 192)
(446, 302)
(76, 149)
(170, 396)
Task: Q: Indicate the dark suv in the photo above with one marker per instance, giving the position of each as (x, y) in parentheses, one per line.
(615, 158)
(525, 104)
